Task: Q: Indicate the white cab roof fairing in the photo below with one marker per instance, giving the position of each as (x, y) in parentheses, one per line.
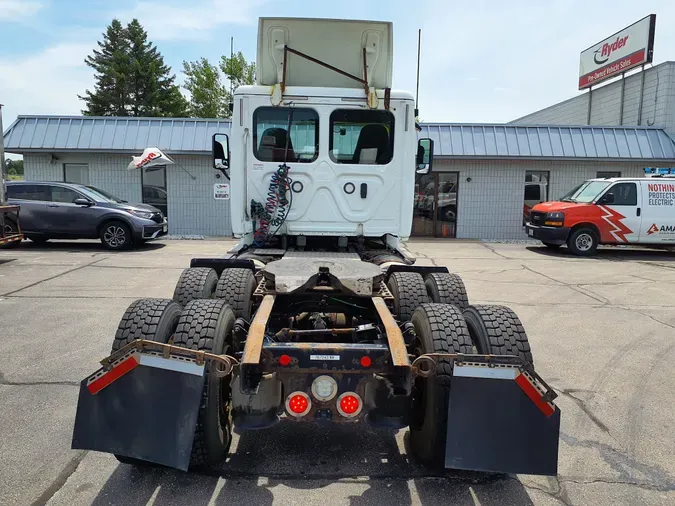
(337, 42)
(313, 91)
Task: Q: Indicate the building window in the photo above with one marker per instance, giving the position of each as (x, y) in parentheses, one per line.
(270, 140)
(76, 173)
(154, 187)
(608, 174)
(536, 190)
(361, 137)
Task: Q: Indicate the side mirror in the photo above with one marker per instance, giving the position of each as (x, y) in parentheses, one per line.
(220, 153)
(425, 156)
(82, 202)
(607, 198)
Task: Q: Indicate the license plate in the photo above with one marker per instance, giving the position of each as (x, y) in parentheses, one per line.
(165, 228)
(530, 233)
(324, 357)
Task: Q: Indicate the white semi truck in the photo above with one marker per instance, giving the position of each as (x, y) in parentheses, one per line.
(320, 313)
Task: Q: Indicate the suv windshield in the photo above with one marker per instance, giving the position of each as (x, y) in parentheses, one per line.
(100, 195)
(586, 192)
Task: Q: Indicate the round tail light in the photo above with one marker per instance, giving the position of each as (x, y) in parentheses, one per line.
(349, 404)
(298, 404)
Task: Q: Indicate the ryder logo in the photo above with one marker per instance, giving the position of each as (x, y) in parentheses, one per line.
(602, 53)
(653, 230)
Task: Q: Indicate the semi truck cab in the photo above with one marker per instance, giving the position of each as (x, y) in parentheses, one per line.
(613, 211)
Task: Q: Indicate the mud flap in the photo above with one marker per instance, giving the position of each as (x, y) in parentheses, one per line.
(499, 422)
(145, 408)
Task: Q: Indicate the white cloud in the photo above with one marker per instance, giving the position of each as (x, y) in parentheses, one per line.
(45, 83)
(191, 20)
(11, 10)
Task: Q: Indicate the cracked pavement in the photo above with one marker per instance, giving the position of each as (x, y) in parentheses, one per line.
(602, 331)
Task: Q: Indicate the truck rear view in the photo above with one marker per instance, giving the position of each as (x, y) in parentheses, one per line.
(320, 314)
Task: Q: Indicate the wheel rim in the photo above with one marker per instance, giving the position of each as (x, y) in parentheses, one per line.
(115, 236)
(584, 242)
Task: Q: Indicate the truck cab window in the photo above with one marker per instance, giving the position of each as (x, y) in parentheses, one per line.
(361, 137)
(625, 194)
(271, 142)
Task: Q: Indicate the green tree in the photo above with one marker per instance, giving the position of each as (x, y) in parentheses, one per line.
(237, 70)
(131, 78)
(111, 65)
(208, 96)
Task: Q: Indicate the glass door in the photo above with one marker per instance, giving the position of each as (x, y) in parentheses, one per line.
(435, 209)
(446, 204)
(423, 209)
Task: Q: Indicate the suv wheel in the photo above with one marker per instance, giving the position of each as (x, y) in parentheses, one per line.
(116, 235)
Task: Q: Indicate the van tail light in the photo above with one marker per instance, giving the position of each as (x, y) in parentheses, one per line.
(298, 404)
(349, 404)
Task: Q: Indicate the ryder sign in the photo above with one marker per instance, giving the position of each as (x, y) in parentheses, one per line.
(624, 50)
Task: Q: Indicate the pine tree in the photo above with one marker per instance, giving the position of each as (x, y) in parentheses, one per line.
(131, 76)
(151, 85)
(111, 64)
(208, 96)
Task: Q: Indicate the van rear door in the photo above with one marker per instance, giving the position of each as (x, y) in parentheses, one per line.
(658, 211)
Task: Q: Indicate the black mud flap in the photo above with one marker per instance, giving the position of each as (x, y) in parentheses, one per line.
(145, 408)
(499, 422)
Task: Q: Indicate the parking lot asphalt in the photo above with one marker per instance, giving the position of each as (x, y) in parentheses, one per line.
(602, 330)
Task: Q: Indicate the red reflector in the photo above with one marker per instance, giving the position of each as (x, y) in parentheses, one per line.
(349, 404)
(298, 404)
(284, 360)
(365, 361)
(534, 395)
(113, 374)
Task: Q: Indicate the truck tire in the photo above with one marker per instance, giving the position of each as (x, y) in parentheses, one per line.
(11, 228)
(236, 287)
(497, 330)
(116, 235)
(195, 283)
(206, 325)
(440, 328)
(445, 288)
(409, 293)
(150, 319)
(583, 242)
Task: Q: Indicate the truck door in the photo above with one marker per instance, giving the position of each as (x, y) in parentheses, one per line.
(621, 215)
(658, 212)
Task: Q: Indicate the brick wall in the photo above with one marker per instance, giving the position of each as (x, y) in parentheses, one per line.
(490, 206)
(658, 103)
(192, 208)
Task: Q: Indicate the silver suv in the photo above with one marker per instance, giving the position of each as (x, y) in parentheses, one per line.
(52, 210)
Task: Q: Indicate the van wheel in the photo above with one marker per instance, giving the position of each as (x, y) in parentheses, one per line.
(583, 242)
(116, 235)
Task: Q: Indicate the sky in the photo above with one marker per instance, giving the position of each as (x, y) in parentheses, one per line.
(482, 60)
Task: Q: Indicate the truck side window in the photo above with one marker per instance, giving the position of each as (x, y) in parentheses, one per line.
(625, 194)
(361, 137)
(270, 137)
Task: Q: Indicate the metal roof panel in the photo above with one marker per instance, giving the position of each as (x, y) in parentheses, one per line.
(179, 135)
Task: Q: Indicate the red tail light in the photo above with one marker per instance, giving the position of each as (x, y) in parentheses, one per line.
(366, 361)
(298, 404)
(349, 404)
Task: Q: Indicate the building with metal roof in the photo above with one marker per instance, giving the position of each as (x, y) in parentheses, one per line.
(484, 179)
